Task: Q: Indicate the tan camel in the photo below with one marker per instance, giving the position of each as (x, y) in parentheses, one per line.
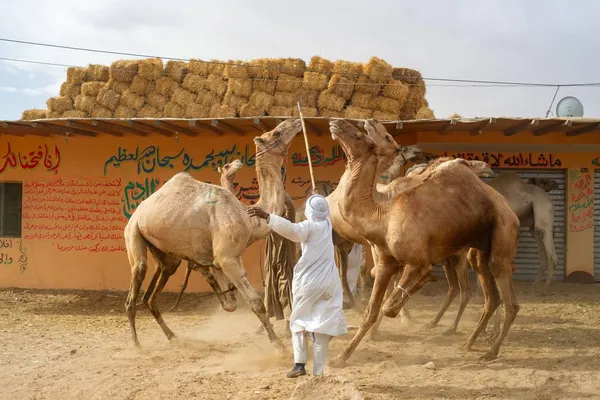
(429, 219)
(206, 224)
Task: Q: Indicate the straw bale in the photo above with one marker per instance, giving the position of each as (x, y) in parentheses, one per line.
(348, 69)
(70, 90)
(367, 85)
(85, 103)
(320, 64)
(92, 88)
(101, 112)
(173, 110)
(149, 112)
(117, 86)
(248, 110)
(384, 116)
(288, 83)
(166, 86)
(235, 69)
(235, 102)
(315, 81)
(125, 112)
(454, 116)
(199, 67)
(424, 113)
(406, 75)
(362, 100)
(139, 85)
(193, 83)
(108, 98)
(309, 98)
(331, 101)
(182, 97)
(76, 75)
(396, 90)
(306, 112)
(358, 113)
(326, 112)
(341, 86)
(158, 101)
(222, 111)
(176, 71)
(54, 114)
(261, 101)
(216, 67)
(240, 87)
(150, 68)
(124, 70)
(216, 84)
(75, 114)
(266, 68)
(265, 86)
(97, 73)
(411, 105)
(286, 99)
(131, 100)
(59, 104)
(378, 70)
(34, 113)
(195, 110)
(294, 67)
(277, 111)
(207, 97)
(388, 105)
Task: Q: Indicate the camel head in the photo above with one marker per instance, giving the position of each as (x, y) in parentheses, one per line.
(481, 169)
(544, 183)
(230, 169)
(277, 141)
(355, 143)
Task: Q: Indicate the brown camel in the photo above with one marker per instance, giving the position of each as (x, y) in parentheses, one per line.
(195, 221)
(429, 219)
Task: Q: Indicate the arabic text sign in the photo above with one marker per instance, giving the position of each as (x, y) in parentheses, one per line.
(581, 200)
(13, 253)
(501, 160)
(136, 192)
(318, 158)
(28, 160)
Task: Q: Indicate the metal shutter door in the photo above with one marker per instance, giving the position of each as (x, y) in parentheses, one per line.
(597, 224)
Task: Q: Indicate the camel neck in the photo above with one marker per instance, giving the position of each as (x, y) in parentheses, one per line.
(270, 182)
(227, 183)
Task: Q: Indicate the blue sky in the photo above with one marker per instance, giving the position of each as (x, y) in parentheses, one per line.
(534, 41)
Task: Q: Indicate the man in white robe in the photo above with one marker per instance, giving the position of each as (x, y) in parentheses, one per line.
(317, 294)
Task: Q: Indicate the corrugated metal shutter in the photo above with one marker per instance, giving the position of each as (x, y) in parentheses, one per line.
(527, 258)
(597, 224)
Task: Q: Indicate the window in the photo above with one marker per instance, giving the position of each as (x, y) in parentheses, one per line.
(11, 201)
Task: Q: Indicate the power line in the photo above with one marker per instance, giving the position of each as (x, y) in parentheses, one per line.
(472, 81)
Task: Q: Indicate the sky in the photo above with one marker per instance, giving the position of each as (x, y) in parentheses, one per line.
(545, 41)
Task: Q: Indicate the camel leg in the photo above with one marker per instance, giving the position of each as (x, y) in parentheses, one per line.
(150, 288)
(497, 323)
(453, 290)
(462, 274)
(136, 252)
(342, 251)
(188, 271)
(375, 328)
(548, 257)
(414, 277)
(383, 274)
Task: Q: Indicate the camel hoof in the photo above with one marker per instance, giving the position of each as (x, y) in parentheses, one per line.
(492, 338)
(449, 332)
(430, 325)
(489, 356)
(466, 346)
(337, 362)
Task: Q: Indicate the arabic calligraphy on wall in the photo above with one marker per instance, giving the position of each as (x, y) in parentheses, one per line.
(7, 256)
(247, 194)
(30, 160)
(317, 157)
(150, 159)
(581, 201)
(527, 160)
(136, 192)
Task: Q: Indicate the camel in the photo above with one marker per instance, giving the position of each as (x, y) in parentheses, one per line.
(428, 219)
(206, 224)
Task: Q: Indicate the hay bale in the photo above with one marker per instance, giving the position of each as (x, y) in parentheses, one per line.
(34, 113)
(108, 98)
(222, 111)
(320, 64)
(193, 83)
(176, 71)
(388, 105)
(216, 67)
(326, 112)
(132, 100)
(261, 101)
(85, 103)
(378, 70)
(306, 112)
(195, 110)
(70, 90)
(348, 69)
(424, 113)
(149, 112)
(173, 110)
(396, 90)
(124, 70)
(248, 110)
(207, 97)
(125, 112)
(408, 76)
(139, 85)
(331, 101)
(413, 102)
(240, 87)
(315, 81)
(75, 114)
(235, 102)
(92, 88)
(453, 116)
(59, 104)
(150, 68)
(182, 97)
(265, 85)
(309, 98)
(101, 112)
(277, 111)
(266, 68)
(54, 114)
(235, 69)
(157, 101)
(117, 86)
(384, 116)
(289, 83)
(341, 86)
(367, 85)
(362, 100)
(294, 67)
(199, 67)
(358, 113)
(97, 73)
(76, 75)
(216, 84)
(286, 99)
(165, 86)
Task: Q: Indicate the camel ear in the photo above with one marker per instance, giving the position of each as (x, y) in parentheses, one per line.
(219, 170)
(259, 140)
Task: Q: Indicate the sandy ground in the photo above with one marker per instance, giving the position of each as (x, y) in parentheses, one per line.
(76, 345)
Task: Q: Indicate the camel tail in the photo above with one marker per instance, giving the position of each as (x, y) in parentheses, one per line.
(504, 241)
(136, 244)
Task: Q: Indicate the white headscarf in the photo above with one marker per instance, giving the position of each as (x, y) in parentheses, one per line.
(317, 208)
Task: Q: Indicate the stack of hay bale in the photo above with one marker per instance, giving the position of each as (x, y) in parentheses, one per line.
(215, 89)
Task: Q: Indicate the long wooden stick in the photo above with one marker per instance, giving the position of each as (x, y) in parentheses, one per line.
(312, 176)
